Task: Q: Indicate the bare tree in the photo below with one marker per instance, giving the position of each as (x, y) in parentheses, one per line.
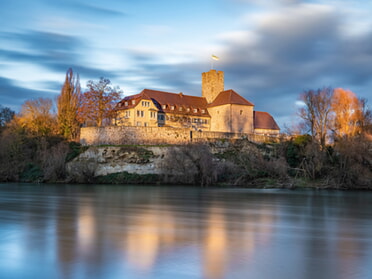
(68, 104)
(366, 120)
(6, 115)
(316, 113)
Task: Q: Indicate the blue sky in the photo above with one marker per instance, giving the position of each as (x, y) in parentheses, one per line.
(270, 50)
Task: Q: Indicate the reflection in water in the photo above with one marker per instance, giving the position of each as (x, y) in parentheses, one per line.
(163, 232)
(85, 227)
(143, 241)
(215, 246)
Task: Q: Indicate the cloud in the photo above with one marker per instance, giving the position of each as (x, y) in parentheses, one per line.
(97, 10)
(271, 3)
(89, 9)
(42, 47)
(53, 51)
(13, 95)
(288, 50)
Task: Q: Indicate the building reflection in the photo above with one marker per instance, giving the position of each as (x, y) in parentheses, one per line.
(215, 244)
(150, 231)
(142, 244)
(86, 225)
(141, 235)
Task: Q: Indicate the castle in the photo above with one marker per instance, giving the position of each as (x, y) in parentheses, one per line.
(217, 110)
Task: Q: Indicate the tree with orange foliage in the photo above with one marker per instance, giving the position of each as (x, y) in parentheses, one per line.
(347, 113)
(37, 118)
(98, 102)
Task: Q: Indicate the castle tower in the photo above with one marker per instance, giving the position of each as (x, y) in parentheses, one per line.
(212, 85)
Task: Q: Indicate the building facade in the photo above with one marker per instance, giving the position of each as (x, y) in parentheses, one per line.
(218, 110)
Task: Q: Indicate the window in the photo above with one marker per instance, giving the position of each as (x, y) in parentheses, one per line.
(172, 107)
(241, 112)
(180, 109)
(139, 123)
(203, 111)
(164, 106)
(195, 110)
(161, 117)
(140, 113)
(126, 104)
(145, 103)
(127, 114)
(146, 124)
(153, 114)
(188, 109)
(133, 102)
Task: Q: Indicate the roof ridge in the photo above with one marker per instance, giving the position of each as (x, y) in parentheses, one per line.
(229, 96)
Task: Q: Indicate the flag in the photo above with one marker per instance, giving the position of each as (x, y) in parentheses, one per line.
(214, 57)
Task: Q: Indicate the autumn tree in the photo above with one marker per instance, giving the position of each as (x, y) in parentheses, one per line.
(68, 103)
(37, 118)
(315, 113)
(98, 102)
(6, 115)
(347, 113)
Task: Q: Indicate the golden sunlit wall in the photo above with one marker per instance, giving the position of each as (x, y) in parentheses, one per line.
(144, 114)
(232, 118)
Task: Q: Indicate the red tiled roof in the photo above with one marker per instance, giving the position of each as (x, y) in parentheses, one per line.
(169, 100)
(263, 120)
(229, 97)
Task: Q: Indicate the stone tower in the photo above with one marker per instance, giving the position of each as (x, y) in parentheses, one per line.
(212, 85)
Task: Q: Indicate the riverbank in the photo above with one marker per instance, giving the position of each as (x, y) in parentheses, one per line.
(290, 164)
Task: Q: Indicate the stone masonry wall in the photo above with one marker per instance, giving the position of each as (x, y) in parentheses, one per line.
(123, 135)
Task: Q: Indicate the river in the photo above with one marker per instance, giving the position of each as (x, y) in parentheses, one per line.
(106, 231)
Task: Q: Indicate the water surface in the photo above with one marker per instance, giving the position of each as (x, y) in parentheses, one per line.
(99, 231)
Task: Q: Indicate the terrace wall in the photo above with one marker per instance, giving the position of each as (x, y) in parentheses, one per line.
(124, 135)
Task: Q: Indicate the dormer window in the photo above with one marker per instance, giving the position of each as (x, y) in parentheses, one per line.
(164, 106)
(180, 109)
(203, 111)
(188, 109)
(133, 102)
(172, 107)
(126, 104)
(145, 103)
(195, 110)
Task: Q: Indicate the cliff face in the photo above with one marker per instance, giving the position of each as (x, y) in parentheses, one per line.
(101, 161)
(202, 164)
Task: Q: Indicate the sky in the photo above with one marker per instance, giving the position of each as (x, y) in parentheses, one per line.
(270, 50)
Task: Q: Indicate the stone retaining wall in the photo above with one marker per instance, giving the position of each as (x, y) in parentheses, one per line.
(122, 135)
